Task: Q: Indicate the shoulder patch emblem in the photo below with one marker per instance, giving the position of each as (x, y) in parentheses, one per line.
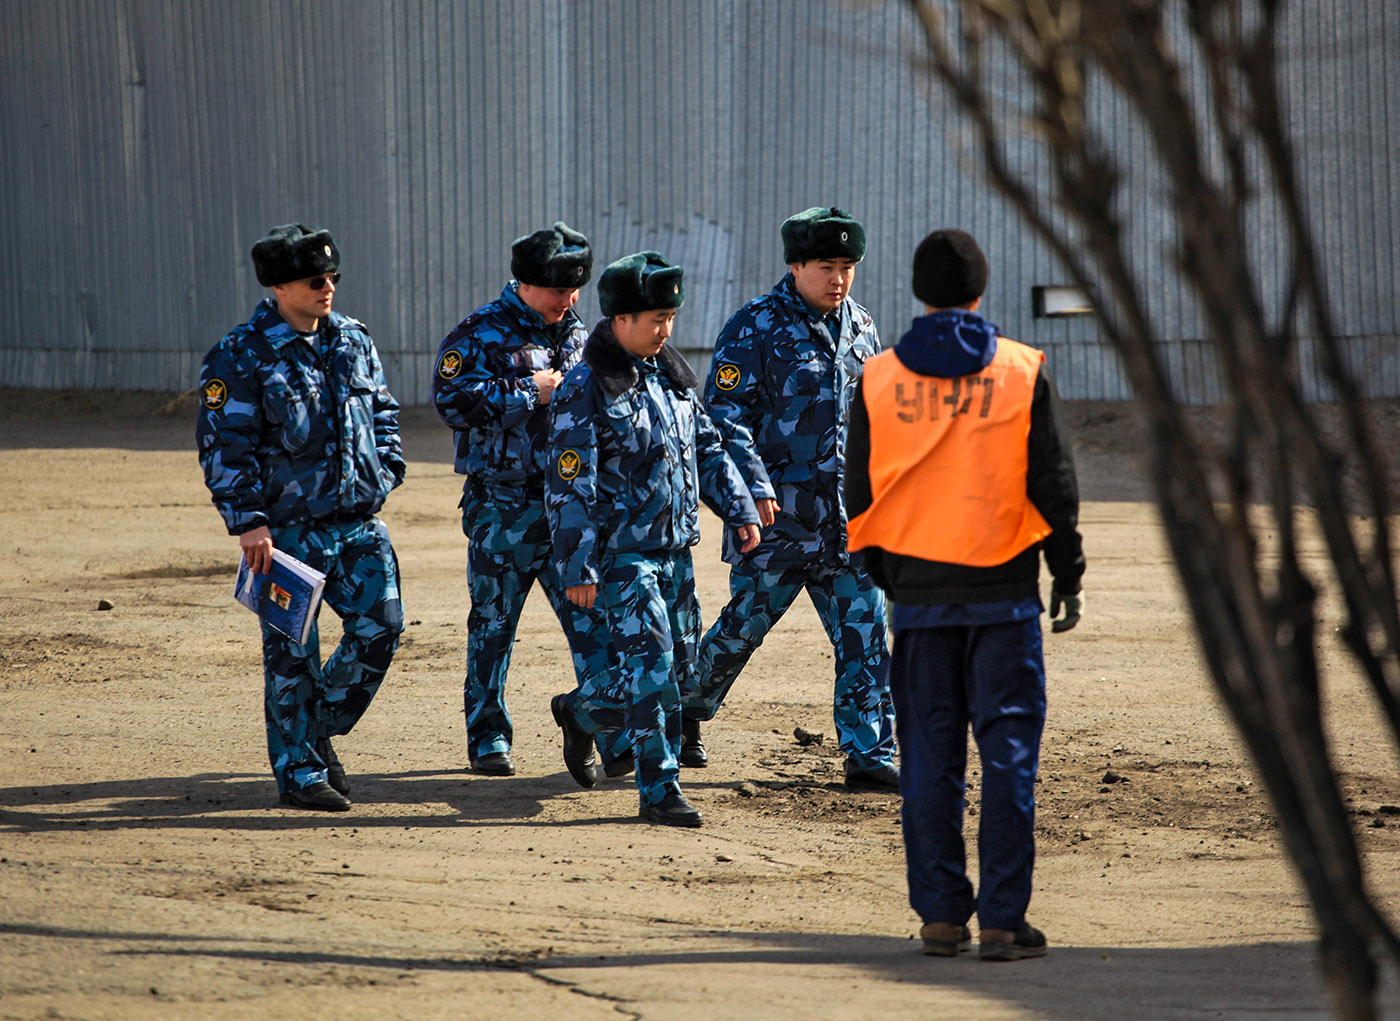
(569, 464)
(450, 364)
(727, 376)
(214, 394)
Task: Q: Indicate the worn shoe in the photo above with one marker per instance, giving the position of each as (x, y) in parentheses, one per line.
(620, 766)
(319, 796)
(494, 764)
(692, 748)
(946, 939)
(1006, 945)
(880, 779)
(334, 770)
(578, 745)
(672, 810)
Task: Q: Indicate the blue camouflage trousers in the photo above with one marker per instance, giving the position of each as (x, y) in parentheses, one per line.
(852, 610)
(508, 549)
(991, 676)
(653, 619)
(304, 699)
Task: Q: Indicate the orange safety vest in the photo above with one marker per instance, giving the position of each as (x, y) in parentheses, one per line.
(948, 461)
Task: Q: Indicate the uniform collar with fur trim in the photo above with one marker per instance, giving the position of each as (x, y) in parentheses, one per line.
(616, 370)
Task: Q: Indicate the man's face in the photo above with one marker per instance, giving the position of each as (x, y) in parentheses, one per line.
(644, 334)
(824, 283)
(550, 302)
(303, 300)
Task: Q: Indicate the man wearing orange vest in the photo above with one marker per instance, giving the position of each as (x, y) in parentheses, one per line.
(959, 473)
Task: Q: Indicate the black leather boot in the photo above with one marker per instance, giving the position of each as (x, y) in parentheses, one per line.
(692, 748)
(672, 810)
(335, 771)
(321, 797)
(578, 745)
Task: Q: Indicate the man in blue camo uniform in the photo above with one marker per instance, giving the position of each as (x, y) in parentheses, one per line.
(784, 372)
(492, 383)
(298, 437)
(631, 453)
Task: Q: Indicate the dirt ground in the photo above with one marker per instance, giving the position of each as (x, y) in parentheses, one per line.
(146, 869)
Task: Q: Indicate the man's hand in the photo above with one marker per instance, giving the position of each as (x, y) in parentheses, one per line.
(767, 510)
(583, 595)
(545, 381)
(1073, 606)
(748, 537)
(257, 549)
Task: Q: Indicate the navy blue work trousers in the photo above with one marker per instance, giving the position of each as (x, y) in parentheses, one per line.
(944, 679)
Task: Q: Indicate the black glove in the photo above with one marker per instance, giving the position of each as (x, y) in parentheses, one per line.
(1073, 604)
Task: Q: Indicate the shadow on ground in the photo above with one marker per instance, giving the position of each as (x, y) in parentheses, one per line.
(246, 801)
(1071, 983)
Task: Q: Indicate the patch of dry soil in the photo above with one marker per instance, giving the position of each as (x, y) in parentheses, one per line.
(146, 869)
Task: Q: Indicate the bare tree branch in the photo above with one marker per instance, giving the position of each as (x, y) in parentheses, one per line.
(1257, 622)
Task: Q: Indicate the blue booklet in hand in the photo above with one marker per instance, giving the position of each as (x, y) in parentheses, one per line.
(286, 598)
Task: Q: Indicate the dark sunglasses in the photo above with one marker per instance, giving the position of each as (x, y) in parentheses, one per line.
(319, 283)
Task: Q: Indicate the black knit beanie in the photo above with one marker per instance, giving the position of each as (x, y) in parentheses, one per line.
(949, 269)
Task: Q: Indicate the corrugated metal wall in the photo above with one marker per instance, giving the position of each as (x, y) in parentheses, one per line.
(149, 142)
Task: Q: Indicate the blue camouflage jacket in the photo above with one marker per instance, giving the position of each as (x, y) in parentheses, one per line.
(780, 391)
(289, 434)
(631, 453)
(483, 390)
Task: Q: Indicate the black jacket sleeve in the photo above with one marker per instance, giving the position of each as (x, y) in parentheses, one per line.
(857, 483)
(1052, 485)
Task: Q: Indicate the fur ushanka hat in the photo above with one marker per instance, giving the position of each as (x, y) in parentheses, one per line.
(822, 232)
(640, 283)
(556, 256)
(294, 251)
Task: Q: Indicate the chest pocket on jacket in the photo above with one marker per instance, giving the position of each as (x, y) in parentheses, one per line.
(808, 377)
(288, 412)
(856, 357)
(621, 411)
(362, 386)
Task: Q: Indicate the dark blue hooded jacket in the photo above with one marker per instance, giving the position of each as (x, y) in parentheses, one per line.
(950, 344)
